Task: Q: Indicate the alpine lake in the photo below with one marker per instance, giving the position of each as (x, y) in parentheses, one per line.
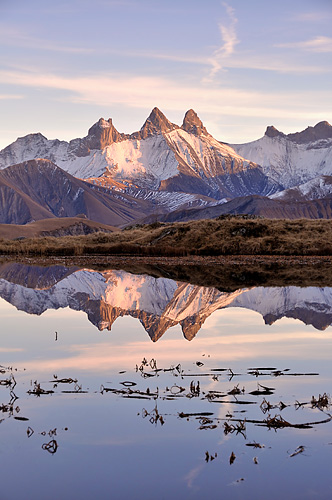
(128, 385)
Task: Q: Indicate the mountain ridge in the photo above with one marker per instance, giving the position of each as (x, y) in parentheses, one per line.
(163, 161)
(162, 156)
(261, 206)
(322, 130)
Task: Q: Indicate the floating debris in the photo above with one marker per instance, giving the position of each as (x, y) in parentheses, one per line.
(239, 428)
(63, 380)
(262, 390)
(154, 416)
(299, 449)
(195, 388)
(77, 390)
(255, 445)
(263, 369)
(236, 390)
(38, 391)
(210, 457)
(9, 382)
(205, 427)
(266, 406)
(323, 401)
(276, 422)
(30, 431)
(175, 389)
(200, 414)
(51, 447)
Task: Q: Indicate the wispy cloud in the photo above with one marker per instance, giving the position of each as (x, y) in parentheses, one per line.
(317, 16)
(225, 57)
(13, 37)
(143, 92)
(229, 39)
(320, 44)
(276, 65)
(10, 96)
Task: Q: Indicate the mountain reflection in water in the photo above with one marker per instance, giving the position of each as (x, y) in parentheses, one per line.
(158, 303)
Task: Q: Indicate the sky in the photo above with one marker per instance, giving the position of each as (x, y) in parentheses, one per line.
(240, 64)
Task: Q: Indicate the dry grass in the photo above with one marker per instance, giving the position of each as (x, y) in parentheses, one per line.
(57, 226)
(231, 236)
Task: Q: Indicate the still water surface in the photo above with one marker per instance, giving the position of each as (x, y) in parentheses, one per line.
(124, 386)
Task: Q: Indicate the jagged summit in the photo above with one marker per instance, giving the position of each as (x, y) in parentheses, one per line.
(322, 130)
(271, 131)
(155, 124)
(193, 124)
(102, 134)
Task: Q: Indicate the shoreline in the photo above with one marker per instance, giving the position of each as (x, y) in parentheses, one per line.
(226, 273)
(190, 260)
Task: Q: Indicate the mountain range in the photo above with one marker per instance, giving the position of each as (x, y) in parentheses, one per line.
(165, 170)
(158, 303)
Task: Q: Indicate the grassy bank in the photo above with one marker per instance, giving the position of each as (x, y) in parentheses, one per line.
(222, 236)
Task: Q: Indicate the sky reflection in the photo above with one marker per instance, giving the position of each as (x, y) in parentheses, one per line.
(229, 335)
(99, 430)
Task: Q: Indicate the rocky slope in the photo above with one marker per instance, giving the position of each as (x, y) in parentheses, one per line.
(262, 206)
(319, 187)
(38, 189)
(293, 159)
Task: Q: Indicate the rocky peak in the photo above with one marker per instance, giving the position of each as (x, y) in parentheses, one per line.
(323, 130)
(272, 132)
(102, 134)
(156, 123)
(192, 124)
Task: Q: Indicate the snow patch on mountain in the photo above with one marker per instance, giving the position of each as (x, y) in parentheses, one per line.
(136, 292)
(190, 300)
(287, 162)
(203, 153)
(134, 159)
(174, 200)
(320, 187)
